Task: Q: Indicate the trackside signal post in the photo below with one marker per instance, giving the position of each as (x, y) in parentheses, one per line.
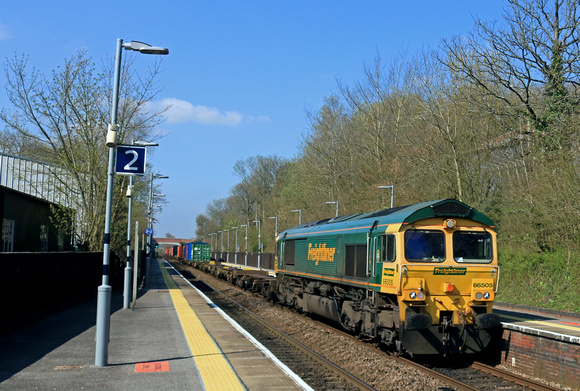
(104, 290)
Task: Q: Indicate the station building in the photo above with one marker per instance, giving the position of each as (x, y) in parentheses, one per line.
(35, 216)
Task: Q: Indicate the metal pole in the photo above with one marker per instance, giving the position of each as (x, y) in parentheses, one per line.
(128, 270)
(236, 255)
(299, 215)
(149, 225)
(228, 247)
(104, 291)
(136, 270)
(221, 245)
(259, 243)
(276, 229)
(246, 255)
(392, 187)
(334, 202)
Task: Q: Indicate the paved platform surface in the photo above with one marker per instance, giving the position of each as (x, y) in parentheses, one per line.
(556, 325)
(150, 346)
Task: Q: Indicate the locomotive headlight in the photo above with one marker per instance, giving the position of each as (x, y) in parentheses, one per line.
(414, 295)
(482, 289)
(450, 224)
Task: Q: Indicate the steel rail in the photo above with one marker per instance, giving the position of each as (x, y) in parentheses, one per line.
(301, 347)
(522, 381)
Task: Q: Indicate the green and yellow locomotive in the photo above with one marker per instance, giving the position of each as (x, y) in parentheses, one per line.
(420, 278)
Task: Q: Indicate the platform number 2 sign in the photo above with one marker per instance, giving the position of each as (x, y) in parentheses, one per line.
(130, 160)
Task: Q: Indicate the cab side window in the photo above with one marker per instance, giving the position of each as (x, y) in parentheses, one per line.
(388, 253)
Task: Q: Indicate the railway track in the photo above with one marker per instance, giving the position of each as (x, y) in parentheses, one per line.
(322, 374)
(481, 377)
(315, 370)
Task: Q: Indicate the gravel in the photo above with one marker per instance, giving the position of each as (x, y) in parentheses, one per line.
(363, 360)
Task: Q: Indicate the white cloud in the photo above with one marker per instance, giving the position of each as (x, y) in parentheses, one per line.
(5, 33)
(181, 111)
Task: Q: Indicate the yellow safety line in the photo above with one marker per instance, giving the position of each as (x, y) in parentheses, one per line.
(215, 371)
(542, 322)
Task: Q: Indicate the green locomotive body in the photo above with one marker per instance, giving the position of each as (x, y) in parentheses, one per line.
(420, 278)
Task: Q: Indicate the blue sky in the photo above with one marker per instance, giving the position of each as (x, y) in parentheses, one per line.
(241, 75)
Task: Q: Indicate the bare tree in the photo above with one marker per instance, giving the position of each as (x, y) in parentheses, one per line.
(530, 63)
(65, 117)
(202, 222)
(258, 175)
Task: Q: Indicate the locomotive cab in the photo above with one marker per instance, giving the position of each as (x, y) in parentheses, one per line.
(447, 285)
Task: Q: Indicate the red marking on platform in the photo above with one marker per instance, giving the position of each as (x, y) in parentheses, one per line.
(159, 366)
(571, 323)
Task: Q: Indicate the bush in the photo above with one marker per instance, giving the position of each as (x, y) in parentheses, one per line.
(540, 279)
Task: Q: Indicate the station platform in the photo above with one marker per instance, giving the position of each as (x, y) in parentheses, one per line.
(174, 339)
(556, 325)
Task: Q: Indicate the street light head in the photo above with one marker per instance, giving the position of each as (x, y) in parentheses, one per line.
(160, 176)
(144, 48)
(145, 144)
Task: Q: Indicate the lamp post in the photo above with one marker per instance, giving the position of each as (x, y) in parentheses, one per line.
(236, 254)
(299, 215)
(276, 229)
(334, 202)
(228, 246)
(215, 245)
(150, 220)
(246, 256)
(259, 242)
(392, 187)
(104, 290)
(128, 269)
(222, 244)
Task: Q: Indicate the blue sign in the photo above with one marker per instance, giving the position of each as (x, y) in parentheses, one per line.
(148, 231)
(130, 160)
